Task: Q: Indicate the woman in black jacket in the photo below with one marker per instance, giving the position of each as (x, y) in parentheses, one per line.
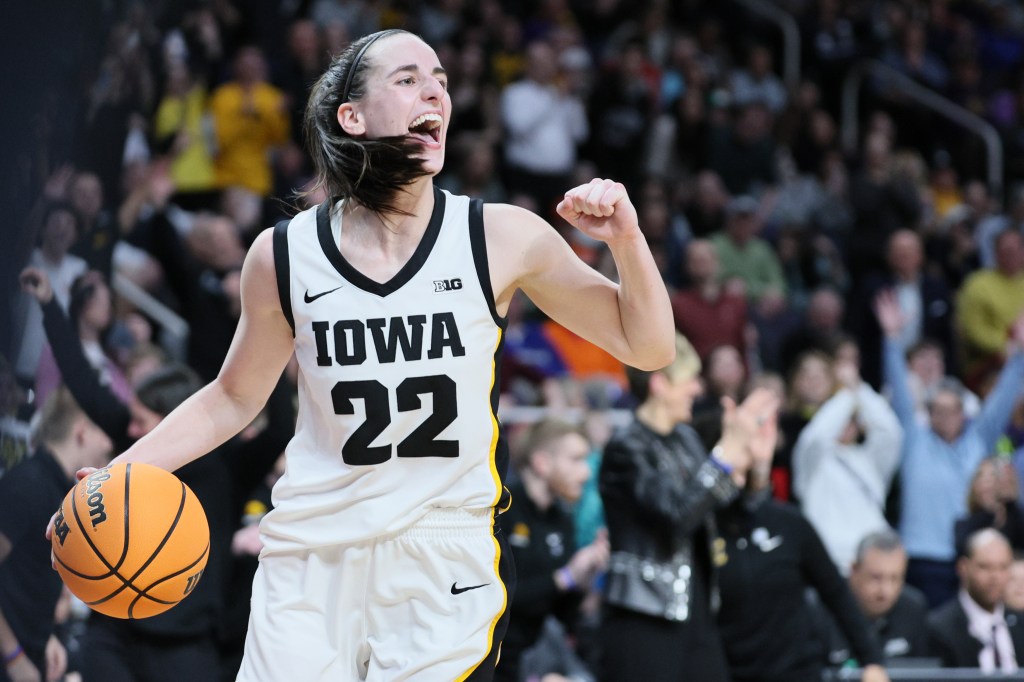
(659, 488)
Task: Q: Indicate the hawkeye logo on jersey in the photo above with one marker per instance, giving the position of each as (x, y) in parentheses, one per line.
(443, 285)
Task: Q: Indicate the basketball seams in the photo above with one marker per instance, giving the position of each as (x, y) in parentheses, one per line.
(129, 582)
(124, 599)
(145, 590)
(95, 550)
(167, 535)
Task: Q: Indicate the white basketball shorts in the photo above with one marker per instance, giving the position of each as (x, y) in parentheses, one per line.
(428, 603)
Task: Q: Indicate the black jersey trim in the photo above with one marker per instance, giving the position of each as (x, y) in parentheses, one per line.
(478, 242)
(361, 281)
(282, 267)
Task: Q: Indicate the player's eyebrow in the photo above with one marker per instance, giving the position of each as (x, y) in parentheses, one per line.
(415, 69)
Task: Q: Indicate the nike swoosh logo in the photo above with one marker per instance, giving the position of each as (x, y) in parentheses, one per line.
(772, 543)
(310, 299)
(460, 590)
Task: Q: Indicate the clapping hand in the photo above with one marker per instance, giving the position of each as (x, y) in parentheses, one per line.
(750, 430)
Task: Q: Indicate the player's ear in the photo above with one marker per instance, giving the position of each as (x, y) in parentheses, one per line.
(351, 120)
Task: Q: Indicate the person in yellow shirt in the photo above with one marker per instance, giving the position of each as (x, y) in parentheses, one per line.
(250, 119)
(182, 128)
(987, 305)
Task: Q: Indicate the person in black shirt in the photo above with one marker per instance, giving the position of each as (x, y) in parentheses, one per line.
(767, 625)
(896, 612)
(552, 575)
(29, 494)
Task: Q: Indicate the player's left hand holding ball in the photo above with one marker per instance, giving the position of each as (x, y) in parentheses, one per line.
(601, 209)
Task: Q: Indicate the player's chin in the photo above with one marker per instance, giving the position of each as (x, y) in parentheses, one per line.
(433, 160)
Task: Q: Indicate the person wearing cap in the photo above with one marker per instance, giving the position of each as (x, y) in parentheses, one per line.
(747, 261)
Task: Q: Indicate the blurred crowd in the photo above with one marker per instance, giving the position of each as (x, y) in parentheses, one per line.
(875, 287)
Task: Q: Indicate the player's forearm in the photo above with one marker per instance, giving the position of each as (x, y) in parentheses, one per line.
(644, 308)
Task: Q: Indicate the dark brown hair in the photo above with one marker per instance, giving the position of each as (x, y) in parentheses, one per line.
(370, 172)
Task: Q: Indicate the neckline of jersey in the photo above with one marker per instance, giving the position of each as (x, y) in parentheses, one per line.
(407, 271)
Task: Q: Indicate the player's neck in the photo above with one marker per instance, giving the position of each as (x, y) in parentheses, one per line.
(379, 245)
(415, 205)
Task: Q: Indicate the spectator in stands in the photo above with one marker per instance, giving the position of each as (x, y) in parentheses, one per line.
(820, 329)
(951, 249)
(811, 383)
(882, 203)
(544, 123)
(771, 558)
(925, 300)
(896, 612)
(91, 312)
(743, 153)
(992, 503)
(204, 274)
(724, 376)
(15, 432)
(705, 312)
(552, 575)
(692, 127)
(926, 367)
(988, 218)
(304, 61)
(476, 175)
(707, 209)
(29, 493)
(745, 258)
(987, 306)
(181, 128)
(830, 42)
(976, 630)
(844, 462)
(758, 83)
(939, 458)
(621, 110)
(250, 117)
(659, 487)
(476, 109)
(53, 258)
(1015, 585)
(913, 58)
(97, 230)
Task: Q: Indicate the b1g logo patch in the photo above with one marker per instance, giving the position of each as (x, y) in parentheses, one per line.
(443, 285)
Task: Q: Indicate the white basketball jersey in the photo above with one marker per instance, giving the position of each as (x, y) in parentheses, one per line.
(398, 382)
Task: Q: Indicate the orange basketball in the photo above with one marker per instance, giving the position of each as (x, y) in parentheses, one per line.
(131, 540)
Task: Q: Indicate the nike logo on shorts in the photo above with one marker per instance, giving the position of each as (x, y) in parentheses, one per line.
(310, 299)
(460, 590)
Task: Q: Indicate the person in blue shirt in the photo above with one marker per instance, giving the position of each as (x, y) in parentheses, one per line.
(940, 457)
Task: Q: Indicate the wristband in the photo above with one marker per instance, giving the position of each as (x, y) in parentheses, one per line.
(13, 656)
(715, 452)
(567, 578)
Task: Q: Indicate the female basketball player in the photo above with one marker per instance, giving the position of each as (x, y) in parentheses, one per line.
(381, 560)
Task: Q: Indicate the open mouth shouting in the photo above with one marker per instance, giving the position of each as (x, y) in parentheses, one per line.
(427, 128)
